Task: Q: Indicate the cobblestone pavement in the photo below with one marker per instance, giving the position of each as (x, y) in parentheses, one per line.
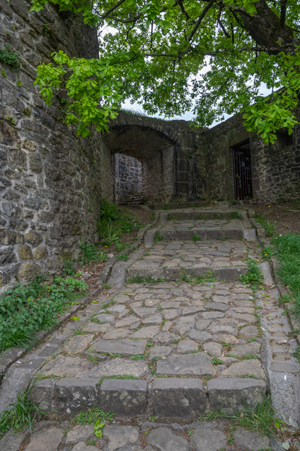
(169, 351)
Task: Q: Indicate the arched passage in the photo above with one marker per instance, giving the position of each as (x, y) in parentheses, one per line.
(153, 143)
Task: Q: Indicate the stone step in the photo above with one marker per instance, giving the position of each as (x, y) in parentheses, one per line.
(170, 397)
(229, 274)
(203, 233)
(205, 214)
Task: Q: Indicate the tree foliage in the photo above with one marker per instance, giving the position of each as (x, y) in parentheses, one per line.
(209, 56)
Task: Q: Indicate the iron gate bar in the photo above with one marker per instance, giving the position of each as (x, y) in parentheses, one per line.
(242, 171)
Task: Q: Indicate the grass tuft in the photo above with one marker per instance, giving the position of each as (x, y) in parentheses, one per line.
(20, 415)
(260, 419)
(253, 276)
(90, 416)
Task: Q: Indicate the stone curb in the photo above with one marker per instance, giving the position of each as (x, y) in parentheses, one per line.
(173, 274)
(273, 264)
(11, 355)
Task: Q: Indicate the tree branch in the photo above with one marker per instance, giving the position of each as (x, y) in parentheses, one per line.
(282, 12)
(242, 11)
(183, 10)
(201, 17)
(223, 28)
(112, 9)
(133, 19)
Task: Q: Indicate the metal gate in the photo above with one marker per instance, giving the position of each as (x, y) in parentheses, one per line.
(242, 171)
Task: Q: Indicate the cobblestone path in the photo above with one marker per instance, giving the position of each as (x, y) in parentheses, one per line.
(171, 350)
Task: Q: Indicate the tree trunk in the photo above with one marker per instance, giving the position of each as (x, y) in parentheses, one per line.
(265, 28)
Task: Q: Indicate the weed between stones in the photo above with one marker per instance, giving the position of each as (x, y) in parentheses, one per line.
(20, 416)
(196, 237)
(208, 277)
(261, 419)
(123, 257)
(79, 332)
(108, 304)
(91, 416)
(158, 237)
(244, 357)
(235, 215)
(269, 228)
(253, 276)
(106, 286)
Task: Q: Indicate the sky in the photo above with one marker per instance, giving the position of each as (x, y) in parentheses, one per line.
(188, 116)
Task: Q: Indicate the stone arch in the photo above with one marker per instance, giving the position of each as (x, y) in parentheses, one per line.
(154, 143)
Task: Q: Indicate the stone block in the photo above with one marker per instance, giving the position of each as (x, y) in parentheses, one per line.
(244, 368)
(40, 253)
(7, 255)
(35, 163)
(25, 252)
(67, 366)
(208, 439)
(233, 394)
(12, 441)
(8, 237)
(229, 274)
(285, 367)
(42, 394)
(33, 238)
(125, 347)
(28, 271)
(250, 441)
(123, 397)
(164, 439)
(121, 367)
(73, 394)
(198, 364)
(173, 397)
(45, 439)
(80, 433)
(120, 436)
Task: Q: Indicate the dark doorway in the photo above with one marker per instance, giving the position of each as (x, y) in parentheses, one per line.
(242, 171)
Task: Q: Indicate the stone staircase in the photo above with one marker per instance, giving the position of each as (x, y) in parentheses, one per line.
(133, 199)
(176, 348)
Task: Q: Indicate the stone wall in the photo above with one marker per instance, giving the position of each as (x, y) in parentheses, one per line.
(49, 179)
(275, 167)
(128, 177)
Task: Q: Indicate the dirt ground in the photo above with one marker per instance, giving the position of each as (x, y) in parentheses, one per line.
(286, 217)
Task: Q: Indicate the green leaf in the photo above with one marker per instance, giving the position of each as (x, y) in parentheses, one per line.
(98, 429)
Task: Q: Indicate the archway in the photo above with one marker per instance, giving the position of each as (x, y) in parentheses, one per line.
(153, 143)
